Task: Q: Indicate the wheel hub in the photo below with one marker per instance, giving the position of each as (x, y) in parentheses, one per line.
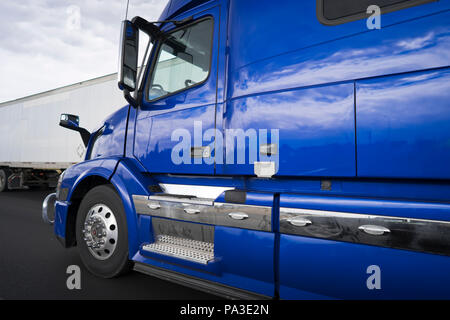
(100, 231)
(95, 232)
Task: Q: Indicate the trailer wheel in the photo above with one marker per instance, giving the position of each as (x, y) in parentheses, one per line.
(101, 232)
(4, 175)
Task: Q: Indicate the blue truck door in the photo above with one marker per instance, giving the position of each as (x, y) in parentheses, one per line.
(234, 233)
(179, 99)
(270, 113)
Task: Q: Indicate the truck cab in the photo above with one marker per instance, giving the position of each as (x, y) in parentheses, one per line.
(274, 151)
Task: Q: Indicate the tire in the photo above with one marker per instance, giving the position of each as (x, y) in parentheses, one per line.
(4, 175)
(94, 225)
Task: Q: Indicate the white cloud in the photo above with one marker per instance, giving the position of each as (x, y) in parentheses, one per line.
(44, 45)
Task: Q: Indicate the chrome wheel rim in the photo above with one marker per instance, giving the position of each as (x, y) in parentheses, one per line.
(100, 231)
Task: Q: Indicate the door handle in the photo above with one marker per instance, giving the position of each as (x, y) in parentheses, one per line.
(299, 222)
(154, 205)
(191, 210)
(238, 215)
(374, 230)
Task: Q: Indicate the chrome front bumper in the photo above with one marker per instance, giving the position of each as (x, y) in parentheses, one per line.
(50, 198)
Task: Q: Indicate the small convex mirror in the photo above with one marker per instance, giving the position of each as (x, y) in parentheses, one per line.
(128, 56)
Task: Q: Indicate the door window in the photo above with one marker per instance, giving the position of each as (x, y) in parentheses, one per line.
(184, 60)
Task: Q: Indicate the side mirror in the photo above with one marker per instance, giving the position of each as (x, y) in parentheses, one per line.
(72, 122)
(128, 56)
(69, 121)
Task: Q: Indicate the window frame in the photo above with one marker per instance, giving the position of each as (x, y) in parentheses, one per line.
(157, 52)
(395, 7)
(94, 139)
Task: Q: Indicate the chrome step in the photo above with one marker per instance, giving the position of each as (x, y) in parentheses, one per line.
(186, 249)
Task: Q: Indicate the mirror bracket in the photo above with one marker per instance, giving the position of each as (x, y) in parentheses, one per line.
(155, 31)
(85, 135)
(131, 100)
(148, 27)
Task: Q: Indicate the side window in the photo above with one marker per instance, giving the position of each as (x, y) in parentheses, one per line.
(334, 12)
(183, 61)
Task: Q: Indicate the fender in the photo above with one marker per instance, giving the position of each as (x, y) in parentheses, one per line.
(74, 175)
(129, 180)
(124, 175)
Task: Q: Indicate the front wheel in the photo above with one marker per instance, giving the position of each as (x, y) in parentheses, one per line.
(101, 231)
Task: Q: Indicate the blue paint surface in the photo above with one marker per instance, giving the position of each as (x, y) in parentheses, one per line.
(316, 268)
(404, 125)
(111, 142)
(315, 125)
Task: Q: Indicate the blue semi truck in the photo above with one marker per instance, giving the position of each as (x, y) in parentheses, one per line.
(292, 150)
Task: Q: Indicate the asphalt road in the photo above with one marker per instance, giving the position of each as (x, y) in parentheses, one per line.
(33, 263)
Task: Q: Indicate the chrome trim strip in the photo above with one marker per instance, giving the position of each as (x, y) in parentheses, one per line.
(298, 211)
(174, 198)
(257, 217)
(140, 203)
(205, 211)
(139, 198)
(181, 211)
(431, 236)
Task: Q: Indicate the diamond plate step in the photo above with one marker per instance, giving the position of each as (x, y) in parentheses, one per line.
(186, 249)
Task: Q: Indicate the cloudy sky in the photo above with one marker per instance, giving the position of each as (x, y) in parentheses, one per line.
(47, 44)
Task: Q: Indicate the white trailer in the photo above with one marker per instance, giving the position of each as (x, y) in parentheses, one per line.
(34, 149)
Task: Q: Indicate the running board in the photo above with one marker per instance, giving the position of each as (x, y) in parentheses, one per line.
(181, 248)
(197, 283)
